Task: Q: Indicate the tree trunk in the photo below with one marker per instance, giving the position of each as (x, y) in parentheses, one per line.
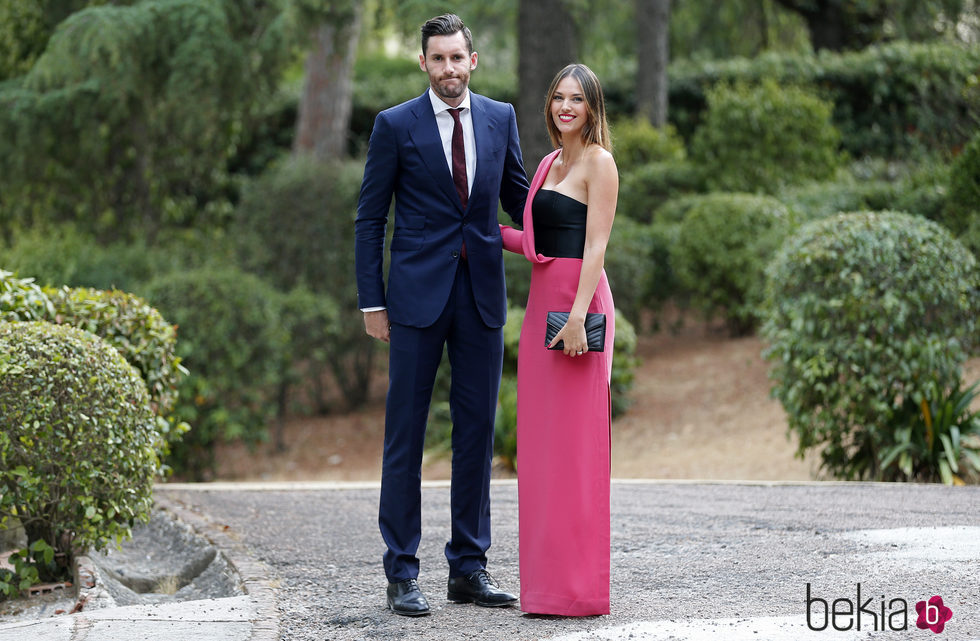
(652, 54)
(546, 42)
(325, 106)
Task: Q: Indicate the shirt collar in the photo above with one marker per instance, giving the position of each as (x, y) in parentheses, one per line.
(438, 106)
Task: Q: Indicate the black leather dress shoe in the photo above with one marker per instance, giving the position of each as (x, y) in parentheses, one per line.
(406, 598)
(479, 588)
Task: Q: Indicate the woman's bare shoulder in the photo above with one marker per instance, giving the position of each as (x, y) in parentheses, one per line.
(599, 161)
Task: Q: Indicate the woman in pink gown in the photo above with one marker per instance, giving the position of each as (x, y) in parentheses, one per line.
(563, 398)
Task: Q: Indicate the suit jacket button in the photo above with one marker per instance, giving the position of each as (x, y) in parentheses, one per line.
(455, 254)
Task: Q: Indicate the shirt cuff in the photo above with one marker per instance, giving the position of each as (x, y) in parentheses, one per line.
(373, 309)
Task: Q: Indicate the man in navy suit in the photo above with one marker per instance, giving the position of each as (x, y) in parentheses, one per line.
(447, 157)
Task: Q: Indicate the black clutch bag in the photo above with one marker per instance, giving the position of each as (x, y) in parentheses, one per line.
(595, 330)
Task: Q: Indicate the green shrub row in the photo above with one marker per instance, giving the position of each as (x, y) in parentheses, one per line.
(763, 137)
(888, 99)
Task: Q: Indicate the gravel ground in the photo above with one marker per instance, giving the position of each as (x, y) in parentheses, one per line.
(698, 554)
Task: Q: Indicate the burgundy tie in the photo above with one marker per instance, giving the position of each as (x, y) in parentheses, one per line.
(459, 157)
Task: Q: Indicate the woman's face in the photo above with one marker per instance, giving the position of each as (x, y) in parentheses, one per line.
(568, 109)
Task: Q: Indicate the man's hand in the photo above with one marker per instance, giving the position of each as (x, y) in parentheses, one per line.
(376, 325)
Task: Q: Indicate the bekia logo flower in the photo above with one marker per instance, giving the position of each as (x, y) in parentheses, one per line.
(933, 615)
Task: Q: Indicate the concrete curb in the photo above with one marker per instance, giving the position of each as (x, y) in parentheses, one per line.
(257, 577)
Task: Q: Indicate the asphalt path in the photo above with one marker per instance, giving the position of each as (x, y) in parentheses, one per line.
(690, 561)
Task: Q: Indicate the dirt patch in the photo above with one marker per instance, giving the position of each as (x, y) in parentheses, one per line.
(701, 410)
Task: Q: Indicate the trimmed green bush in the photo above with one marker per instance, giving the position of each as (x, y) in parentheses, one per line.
(865, 312)
(638, 267)
(761, 138)
(143, 337)
(137, 330)
(636, 142)
(647, 187)
(231, 340)
(77, 455)
(962, 211)
(22, 300)
(723, 245)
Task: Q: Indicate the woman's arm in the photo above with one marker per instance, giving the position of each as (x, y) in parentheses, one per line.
(602, 183)
(513, 239)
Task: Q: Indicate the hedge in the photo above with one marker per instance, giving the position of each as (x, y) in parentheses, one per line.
(868, 314)
(723, 246)
(888, 99)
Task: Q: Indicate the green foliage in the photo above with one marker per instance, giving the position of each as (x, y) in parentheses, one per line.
(705, 30)
(154, 97)
(134, 328)
(67, 254)
(653, 167)
(231, 340)
(625, 363)
(26, 26)
(26, 562)
(297, 223)
(939, 440)
(821, 199)
(505, 427)
(77, 455)
(864, 312)
(875, 185)
(311, 324)
(636, 142)
(143, 337)
(962, 211)
(638, 267)
(764, 137)
(22, 300)
(888, 99)
(646, 187)
(723, 245)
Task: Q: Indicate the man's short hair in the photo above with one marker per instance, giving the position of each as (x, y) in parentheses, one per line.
(445, 25)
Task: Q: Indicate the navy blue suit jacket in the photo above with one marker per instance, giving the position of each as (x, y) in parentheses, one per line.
(406, 160)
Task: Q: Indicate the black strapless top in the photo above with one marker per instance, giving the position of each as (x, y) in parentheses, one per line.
(559, 224)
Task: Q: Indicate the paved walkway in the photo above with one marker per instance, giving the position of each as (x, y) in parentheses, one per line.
(691, 562)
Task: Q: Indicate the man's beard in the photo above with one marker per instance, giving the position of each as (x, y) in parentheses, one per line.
(446, 91)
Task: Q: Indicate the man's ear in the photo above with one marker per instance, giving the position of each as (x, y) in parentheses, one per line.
(422, 63)
(473, 57)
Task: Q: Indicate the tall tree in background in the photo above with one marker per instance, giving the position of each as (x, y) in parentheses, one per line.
(325, 104)
(126, 122)
(547, 41)
(652, 56)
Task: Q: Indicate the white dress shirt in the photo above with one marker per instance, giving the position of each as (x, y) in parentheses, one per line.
(445, 121)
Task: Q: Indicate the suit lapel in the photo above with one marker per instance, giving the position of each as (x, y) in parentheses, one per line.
(483, 135)
(425, 135)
